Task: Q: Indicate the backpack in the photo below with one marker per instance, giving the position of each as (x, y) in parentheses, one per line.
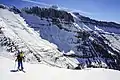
(21, 54)
(21, 57)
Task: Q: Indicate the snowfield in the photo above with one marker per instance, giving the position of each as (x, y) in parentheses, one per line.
(44, 72)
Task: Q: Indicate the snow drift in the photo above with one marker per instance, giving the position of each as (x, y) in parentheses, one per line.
(43, 72)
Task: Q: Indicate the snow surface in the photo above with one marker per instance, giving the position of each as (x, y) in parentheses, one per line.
(44, 72)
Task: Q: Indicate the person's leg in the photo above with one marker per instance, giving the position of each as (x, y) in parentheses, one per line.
(21, 65)
(18, 65)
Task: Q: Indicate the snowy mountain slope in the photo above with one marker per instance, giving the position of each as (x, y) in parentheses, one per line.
(61, 38)
(43, 72)
(92, 45)
(110, 27)
(15, 34)
(52, 33)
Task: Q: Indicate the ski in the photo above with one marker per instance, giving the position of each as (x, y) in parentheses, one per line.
(17, 71)
(23, 71)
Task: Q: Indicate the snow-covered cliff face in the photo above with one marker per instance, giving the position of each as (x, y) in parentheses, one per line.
(92, 44)
(104, 40)
(110, 27)
(72, 40)
(16, 35)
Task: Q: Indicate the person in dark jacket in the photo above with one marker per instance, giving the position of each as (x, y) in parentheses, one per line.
(20, 59)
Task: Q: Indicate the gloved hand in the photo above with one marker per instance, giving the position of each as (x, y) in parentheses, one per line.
(23, 60)
(15, 60)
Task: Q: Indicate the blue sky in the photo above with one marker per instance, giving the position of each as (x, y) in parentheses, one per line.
(98, 9)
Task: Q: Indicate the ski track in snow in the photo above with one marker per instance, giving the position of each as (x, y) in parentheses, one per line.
(43, 72)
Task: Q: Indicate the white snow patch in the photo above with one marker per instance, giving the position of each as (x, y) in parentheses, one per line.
(73, 15)
(91, 38)
(71, 52)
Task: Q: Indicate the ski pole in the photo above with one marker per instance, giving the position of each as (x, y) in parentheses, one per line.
(15, 65)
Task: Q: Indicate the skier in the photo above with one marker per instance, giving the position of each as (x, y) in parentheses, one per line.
(20, 59)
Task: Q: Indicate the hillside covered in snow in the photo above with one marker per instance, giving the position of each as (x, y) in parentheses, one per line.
(60, 38)
(16, 35)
